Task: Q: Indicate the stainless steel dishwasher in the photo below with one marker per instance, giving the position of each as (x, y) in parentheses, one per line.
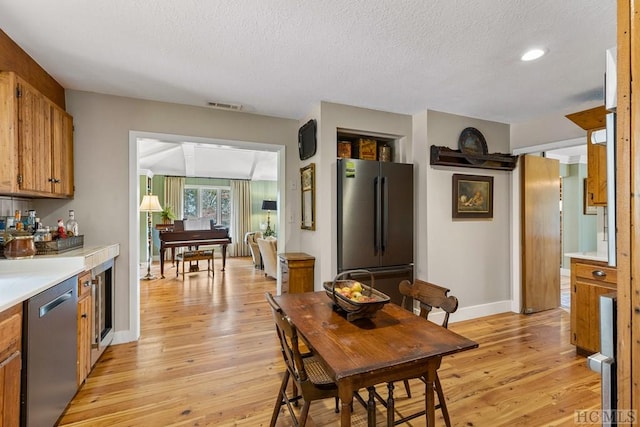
(49, 354)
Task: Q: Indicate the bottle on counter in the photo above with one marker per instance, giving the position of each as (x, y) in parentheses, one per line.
(18, 217)
(31, 220)
(72, 224)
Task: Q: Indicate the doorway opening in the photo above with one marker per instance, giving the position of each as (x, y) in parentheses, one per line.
(136, 139)
(577, 228)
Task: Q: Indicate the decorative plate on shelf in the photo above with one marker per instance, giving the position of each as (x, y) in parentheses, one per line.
(472, 142)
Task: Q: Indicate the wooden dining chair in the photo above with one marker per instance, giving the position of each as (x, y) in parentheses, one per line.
(429, 296)
(310, 378)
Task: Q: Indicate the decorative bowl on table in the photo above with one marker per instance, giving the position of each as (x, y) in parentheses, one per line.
(356, 299)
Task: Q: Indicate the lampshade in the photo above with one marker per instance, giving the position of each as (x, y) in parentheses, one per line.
(269, 205)
(150, 203)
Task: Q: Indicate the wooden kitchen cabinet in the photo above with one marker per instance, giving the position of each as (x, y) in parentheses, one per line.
(85, 325)
(592, 120)
(296, 272)
(589, 280)
(34, 139)
(61, 152)
(596, 173)
(36, 142)
(10, 365)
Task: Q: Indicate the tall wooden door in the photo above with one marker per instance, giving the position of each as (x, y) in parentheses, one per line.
(540, 223)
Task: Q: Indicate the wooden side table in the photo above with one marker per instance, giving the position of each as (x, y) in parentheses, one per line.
(296, 270)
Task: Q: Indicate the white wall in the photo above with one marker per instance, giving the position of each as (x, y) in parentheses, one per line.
(310, 241)
(470, 257)
(421, 167)
(545, 130)
(102, 176)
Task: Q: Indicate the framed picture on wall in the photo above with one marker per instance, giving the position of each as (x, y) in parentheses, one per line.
(308, 185)
(472, 196)
(586, 209)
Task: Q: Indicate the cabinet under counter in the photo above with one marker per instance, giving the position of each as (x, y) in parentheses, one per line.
(10, 364)
(589, 279)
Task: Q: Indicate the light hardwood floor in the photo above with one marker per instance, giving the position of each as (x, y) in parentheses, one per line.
(565, 292)
(208, 356)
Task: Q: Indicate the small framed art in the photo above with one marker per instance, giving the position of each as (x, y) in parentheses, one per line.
(472, 196)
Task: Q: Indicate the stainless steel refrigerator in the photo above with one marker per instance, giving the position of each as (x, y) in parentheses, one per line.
(375, 221)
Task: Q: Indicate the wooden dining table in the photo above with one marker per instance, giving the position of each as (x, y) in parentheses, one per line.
(394, 345)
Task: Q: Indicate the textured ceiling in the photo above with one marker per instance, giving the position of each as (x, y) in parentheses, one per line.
(282, 57)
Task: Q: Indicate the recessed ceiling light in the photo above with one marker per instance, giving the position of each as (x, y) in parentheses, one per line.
(532, 54)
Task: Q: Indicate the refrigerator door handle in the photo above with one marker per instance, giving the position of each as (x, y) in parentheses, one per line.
(384, 231)
(404, 269)
(376, 213)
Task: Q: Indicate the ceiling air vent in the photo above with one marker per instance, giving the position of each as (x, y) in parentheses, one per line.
(225, 106)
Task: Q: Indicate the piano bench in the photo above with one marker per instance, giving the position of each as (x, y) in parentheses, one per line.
(192, 257)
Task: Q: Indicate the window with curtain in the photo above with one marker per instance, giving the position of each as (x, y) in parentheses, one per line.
(207, 201)
(173, 194)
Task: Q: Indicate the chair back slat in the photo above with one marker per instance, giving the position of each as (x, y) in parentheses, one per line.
(288, 337)
(430, 296)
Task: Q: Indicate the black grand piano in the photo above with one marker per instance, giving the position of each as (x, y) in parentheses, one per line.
(177, 237)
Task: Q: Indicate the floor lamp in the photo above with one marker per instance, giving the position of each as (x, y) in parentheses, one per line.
(149, 204)
(269, 205)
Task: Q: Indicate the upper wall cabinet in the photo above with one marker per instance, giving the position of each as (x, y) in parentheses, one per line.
(592, 120)
(61, 152)
(36, 142)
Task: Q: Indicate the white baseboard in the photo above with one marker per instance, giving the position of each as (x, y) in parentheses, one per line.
(473, 312)
(121, 337)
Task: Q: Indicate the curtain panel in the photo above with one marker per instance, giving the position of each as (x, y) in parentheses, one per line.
(173, 193)
(241, 219)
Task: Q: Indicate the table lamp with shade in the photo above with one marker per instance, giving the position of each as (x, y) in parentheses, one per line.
(269, 205)
(150, 203)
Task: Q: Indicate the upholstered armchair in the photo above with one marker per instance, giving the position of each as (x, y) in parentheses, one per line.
(269, 252)
(250, 239)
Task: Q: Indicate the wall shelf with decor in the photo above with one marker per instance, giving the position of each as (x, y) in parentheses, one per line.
(354, 145)
(444, 156)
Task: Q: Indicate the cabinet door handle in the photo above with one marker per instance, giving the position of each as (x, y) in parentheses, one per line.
(84, 315)
(599, 273)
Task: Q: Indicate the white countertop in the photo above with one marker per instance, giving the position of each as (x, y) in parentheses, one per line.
(593, 256)
(23, 278)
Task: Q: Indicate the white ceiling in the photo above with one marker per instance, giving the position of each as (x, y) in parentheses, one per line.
(197, 159)
(282, 57)
(569, 155)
